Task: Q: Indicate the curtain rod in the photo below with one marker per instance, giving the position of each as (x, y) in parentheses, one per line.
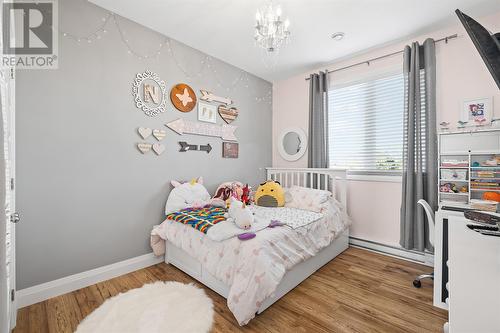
(444, 39)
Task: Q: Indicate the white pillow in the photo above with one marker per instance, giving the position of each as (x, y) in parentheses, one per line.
(306, 198)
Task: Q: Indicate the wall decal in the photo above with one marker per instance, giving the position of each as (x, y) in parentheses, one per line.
(183, 97)
(181, 126)
(144, 147)
(149, 93)
(230, 150)
(159, 134)
(206, 148)
(185, 147)
(144, 132)
(209, 97)
(228, 114)
(158, 148)
(207, 112)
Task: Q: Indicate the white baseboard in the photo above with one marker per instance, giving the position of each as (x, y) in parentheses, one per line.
(426, 259)
(70, 283)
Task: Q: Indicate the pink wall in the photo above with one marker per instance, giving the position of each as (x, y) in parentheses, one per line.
(461, 74)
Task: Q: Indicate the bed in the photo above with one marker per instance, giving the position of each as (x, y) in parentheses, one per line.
(304, 251)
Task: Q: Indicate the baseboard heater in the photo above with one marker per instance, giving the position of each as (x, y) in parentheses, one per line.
(424, 258)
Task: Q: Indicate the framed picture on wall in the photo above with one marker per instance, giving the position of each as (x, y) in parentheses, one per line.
(477, 111)
(230, 149)
(207, 112)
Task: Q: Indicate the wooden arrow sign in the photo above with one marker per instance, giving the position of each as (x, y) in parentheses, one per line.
(209, 97)
(185, 147)
(181, 126)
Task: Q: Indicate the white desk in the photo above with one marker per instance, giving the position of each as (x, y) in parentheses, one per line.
(469, 285)
(474, 279)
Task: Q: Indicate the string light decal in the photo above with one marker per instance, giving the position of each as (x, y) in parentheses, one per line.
(207, 63)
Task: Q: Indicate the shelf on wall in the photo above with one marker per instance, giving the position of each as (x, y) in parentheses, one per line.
(485, 190)
(455, 180)
(453, 193)
(456, 167)
(486, 168)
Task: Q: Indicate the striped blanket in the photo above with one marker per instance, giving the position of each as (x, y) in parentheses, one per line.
(199, 218)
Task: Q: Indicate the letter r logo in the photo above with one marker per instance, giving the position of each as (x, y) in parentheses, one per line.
(28, 28)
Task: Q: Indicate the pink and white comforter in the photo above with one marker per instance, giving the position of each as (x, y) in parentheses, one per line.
(254, 268)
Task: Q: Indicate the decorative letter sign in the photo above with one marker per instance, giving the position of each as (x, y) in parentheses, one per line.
(181, 126)
(151, 93)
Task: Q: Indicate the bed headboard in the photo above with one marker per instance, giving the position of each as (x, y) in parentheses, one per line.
(317, 178)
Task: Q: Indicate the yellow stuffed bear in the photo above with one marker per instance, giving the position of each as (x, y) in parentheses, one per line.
(270, 194)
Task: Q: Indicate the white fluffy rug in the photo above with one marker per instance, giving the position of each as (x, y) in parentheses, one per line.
(156, 307)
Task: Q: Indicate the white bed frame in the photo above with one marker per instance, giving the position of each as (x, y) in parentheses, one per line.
(314, 178)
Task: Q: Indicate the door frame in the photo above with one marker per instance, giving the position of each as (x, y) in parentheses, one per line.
(10, 184)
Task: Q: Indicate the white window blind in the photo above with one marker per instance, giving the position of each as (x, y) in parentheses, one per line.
(366, 124)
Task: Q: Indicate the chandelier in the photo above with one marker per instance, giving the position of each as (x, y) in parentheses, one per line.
(271, 32)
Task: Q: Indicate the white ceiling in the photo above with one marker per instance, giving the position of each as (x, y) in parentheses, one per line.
(224, 28)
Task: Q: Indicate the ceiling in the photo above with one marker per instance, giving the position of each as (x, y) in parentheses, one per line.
(224, 28)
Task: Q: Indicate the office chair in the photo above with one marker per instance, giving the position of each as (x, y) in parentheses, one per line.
(430, 221)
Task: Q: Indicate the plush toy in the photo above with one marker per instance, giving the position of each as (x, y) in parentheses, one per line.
(229, 189)
(240, 214)
(245, 197)
(189, 195)
(270, 194)
(449, 188)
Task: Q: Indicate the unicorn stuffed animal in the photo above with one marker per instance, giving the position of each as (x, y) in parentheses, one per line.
(189, 195)
(240, 214)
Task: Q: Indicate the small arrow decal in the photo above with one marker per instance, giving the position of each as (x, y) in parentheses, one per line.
(206, 148)
(185, 146)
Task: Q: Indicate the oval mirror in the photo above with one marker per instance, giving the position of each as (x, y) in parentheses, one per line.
(292, 144)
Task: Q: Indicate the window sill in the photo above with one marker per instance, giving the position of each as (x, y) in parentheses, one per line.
(375, 178)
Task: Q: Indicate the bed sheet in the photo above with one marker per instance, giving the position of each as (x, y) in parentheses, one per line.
(254, 268)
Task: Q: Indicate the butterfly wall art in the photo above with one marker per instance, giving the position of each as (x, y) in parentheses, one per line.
(183, 97)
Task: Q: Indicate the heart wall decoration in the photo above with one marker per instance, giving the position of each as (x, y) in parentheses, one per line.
(144, 132)
(158, 148)
(159, 134)
(144, 147)
(183, 97)
(229, 114)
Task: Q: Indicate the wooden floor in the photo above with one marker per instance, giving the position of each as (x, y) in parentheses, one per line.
(359, 291)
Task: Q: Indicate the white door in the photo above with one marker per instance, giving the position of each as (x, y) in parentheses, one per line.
(8, 114)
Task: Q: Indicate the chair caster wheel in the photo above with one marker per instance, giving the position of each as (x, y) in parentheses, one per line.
(417, 283)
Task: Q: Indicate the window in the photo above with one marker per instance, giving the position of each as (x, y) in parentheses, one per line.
(366, 125)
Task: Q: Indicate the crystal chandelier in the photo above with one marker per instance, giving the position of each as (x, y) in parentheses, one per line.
(271, 32)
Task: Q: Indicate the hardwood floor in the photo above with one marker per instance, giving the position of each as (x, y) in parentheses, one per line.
(359, 291)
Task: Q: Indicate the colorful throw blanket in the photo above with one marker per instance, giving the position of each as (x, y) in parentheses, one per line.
(200, 219)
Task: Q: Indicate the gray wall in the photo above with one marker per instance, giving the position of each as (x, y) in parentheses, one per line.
(87, 197)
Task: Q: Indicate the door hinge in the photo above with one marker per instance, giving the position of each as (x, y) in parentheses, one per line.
(12, 295)
(14, 218)
(12, 184)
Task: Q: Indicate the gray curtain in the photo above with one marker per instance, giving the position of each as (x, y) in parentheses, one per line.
(420, 144)
(318, 121)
